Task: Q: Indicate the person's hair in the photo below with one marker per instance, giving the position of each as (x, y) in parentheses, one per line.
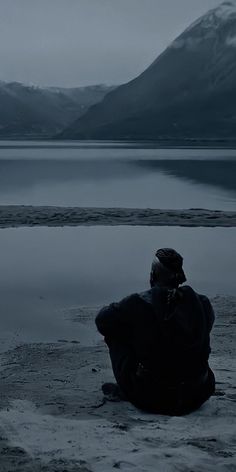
(167, 269)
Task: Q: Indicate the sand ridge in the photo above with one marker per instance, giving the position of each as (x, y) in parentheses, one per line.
(13, 216)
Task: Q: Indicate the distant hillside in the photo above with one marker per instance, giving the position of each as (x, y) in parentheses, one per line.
(27, 111)
(189, 92)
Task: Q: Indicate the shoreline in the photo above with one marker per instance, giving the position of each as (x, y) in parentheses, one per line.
(192, 144)
(53, 416)
(15, 216)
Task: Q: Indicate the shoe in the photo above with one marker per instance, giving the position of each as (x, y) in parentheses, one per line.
(112, 392)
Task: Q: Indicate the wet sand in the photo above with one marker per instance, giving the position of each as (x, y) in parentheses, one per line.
(14, 216)
(54, 418)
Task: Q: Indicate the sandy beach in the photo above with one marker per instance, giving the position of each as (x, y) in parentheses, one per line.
(54, 417)
(117, 143)
(15, 216)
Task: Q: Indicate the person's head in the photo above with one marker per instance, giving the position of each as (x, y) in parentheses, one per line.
(167, 269)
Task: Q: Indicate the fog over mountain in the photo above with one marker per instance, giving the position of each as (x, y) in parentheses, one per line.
(27, 111)
(189, 91)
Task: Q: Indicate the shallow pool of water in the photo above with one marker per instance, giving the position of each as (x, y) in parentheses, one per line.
(44, 270)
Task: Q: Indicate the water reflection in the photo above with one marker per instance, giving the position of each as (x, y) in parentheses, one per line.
(217, 173)
(119, 182)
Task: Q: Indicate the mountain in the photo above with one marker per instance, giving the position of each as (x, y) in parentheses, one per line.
(28, 111)
(188, 92)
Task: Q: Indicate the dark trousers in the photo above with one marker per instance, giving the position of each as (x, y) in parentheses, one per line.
(148, 394)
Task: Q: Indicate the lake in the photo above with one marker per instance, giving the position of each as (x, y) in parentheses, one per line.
(45, 272)
(115, 175)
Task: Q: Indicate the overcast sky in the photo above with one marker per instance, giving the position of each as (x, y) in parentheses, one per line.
(83, 42)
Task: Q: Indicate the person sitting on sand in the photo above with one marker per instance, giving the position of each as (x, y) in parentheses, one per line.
(159, 342)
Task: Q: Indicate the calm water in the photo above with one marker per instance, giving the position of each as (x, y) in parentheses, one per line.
(46, 269)
(114, 175)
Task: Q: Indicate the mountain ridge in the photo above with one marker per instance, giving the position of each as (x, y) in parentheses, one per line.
(189, 91)
(34, 111)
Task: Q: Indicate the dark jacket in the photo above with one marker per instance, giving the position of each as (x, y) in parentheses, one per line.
(167, 332)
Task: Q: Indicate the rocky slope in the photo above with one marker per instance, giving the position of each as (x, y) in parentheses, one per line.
(188, 92)
(28, 111)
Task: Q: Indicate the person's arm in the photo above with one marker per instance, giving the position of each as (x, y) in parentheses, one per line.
(113, 321)
(208, 309)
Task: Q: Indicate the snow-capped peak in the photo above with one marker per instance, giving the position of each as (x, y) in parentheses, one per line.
(213, 17)
(206, 26)
(226, 9)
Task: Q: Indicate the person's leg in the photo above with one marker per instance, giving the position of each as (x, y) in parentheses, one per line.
(119, 355)
(142, 392)
(122, 366)
(146, 394)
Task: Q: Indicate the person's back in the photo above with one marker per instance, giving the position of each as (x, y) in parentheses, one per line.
(159, 342)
